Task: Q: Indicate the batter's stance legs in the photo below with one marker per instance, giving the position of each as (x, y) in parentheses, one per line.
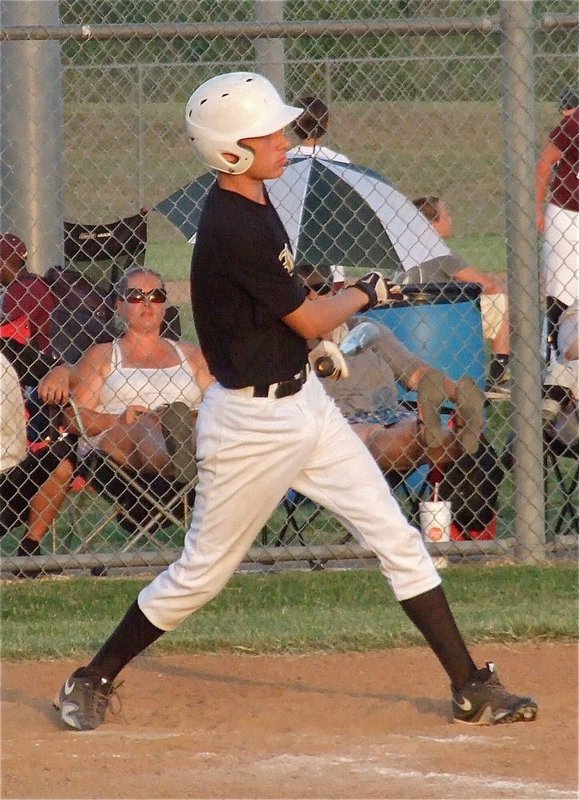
(478, 697)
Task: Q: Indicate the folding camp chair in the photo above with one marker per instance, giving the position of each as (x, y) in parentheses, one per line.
(561, 448)
(102, 252)
(561, 476)
(141, 503)
(95, 257)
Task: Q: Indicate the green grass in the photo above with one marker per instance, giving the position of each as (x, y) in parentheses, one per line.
(453, 149)
(293, 612)
(173, 258)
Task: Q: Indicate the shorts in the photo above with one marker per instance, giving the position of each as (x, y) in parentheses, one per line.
(493, 309)
(385, 417)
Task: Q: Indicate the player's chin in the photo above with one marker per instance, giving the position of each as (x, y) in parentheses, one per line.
(278, 169)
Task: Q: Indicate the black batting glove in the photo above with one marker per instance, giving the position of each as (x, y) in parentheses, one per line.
(379, 290)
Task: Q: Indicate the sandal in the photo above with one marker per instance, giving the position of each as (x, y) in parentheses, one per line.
(469, 414)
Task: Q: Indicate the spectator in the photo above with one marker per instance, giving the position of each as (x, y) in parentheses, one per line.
(369, 393)
(400, 440)
(22, 468)
(310, 128)
(494, 302)
(557, 184)
(569, 333)
(115, 387)
(27, 301)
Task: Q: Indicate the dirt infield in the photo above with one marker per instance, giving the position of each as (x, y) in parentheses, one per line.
(354, 725)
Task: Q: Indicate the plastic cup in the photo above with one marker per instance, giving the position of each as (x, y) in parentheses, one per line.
(435, 519)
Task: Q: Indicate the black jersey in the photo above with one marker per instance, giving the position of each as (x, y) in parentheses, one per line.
(242, 284)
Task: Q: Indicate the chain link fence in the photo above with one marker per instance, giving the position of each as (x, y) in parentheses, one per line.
(421, 104)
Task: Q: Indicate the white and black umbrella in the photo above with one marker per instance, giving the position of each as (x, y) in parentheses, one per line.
(334, 213)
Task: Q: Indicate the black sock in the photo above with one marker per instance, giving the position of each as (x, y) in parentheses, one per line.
(498, 365)
(28, 547)
(432, 616)
(132, 636)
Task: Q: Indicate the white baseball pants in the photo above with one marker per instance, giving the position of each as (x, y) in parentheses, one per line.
(250, 452)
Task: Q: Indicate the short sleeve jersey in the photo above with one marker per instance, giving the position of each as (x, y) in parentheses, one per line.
(242, 284)
(565, 183)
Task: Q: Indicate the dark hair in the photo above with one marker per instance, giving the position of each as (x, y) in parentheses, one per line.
(429, 206)
(569, 99)
(313, 123)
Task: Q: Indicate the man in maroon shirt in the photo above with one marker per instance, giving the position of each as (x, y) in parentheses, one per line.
(27, 301)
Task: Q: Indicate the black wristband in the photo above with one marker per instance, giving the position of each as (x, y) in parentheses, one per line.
(369, 291)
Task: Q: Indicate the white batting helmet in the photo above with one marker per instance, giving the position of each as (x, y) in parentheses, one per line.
(231, 107)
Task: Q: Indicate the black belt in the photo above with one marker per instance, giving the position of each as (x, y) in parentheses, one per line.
(283, 388)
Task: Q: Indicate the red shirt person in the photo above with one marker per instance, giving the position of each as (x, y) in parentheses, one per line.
(27, 302)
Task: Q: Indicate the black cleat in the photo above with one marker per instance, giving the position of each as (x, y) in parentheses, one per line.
(489, 703)
(84, 698)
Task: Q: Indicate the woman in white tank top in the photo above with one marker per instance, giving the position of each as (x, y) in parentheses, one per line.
(140, 388)
(117, 386)
(115, 383)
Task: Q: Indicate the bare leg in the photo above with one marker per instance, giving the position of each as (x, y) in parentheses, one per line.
(140, 446)
(501, 345)
(47, 501)
(401, 447)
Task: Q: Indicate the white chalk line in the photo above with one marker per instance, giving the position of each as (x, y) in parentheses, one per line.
(460, 739)
(292, 763)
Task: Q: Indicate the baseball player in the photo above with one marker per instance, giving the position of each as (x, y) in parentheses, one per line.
(267, 424)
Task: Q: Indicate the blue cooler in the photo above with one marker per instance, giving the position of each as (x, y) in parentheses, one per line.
(441, 323)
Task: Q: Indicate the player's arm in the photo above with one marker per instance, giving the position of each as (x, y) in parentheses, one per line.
(314, 319)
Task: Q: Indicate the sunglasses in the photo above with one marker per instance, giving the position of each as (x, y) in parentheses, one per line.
(135, 295)
(320, 288)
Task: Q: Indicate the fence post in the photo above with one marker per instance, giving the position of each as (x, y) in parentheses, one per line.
(31, 144)
(519, 147)
(270, 53)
